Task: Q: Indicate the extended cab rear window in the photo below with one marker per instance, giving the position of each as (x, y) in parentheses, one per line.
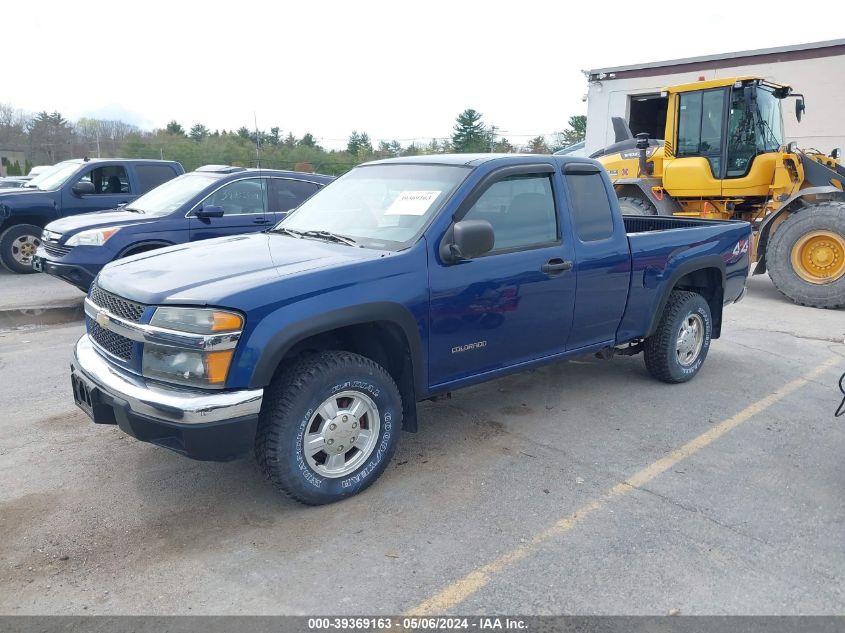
(591, 209)
(151, 176)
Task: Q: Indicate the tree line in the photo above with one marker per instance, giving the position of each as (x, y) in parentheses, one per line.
(47, 138)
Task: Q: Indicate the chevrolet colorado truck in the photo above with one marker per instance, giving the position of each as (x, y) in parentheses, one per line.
(67, 188)
(311, 343)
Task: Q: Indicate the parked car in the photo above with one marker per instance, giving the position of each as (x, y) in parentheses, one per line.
(37, 170)
(404, 279)
(13, 182)
(212, 201)
(67, 188)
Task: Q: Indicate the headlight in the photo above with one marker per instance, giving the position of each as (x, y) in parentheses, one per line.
(193, 367)
(92, 237)
(197, 320)
(199, 369)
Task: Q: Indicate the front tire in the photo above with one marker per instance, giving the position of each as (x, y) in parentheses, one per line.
(328, 427)
(806, 256)
(677, 349)
(636, 206)
(17, 247)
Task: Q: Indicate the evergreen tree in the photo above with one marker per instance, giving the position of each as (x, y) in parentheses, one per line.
(575, 133)
(470, 134)
(175, 129)
(537, 145)
(198, 132)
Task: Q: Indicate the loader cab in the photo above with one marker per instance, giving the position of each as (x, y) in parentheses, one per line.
(726, 138)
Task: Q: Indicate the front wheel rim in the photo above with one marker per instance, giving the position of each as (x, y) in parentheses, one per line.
(341, 434)
(24, 247)
(690, 340)
(818, 257)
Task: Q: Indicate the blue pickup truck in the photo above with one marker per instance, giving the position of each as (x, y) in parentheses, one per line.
(67, 188)
(407, 278)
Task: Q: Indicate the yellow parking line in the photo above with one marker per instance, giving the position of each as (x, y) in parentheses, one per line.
(463, 588)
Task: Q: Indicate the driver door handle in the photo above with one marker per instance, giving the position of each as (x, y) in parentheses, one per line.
(556, 266)
(261, 220)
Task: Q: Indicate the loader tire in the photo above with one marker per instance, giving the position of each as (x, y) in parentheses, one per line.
(636, 206)
(806, 256)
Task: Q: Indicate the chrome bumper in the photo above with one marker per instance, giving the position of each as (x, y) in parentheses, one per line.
(181, 406)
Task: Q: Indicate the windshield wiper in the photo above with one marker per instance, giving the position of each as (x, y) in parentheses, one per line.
(132, 209)
(281, 229)
(333, 237)
(325, 235)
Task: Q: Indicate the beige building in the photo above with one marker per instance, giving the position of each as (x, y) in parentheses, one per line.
(815, 70)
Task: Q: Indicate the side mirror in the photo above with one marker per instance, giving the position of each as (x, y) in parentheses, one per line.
(469, 239)
(799, 108)
(209, 211)
(83, 188)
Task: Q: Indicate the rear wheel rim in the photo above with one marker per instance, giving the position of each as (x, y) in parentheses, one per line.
(818, 257)
(690, 340)
(24, 247)
(341, 434)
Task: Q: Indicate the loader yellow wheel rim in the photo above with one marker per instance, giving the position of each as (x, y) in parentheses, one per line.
(819, 257)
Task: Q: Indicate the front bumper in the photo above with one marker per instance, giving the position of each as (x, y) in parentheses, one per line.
(75, 274)
(199, 424)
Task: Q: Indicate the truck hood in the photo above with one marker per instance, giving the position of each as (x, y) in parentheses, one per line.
(75, 223)
(212, 271)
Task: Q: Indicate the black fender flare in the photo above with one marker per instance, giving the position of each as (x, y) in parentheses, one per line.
(276, 349)
(790, 204)
(136, 245)
(665, 205)
(705, 263)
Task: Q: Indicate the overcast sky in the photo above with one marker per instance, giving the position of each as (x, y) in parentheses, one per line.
(397, 70)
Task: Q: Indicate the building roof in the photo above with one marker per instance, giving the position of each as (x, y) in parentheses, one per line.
(795, 51)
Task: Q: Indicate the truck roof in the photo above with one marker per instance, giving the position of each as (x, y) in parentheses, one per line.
(122, 160)
(474, 160)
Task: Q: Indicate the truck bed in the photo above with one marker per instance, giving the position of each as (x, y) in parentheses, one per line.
(650, 223)
(661, 246)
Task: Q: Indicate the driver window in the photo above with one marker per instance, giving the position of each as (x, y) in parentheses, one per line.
(521, 210)
(240, 197)
(700, 116)
(110, 180)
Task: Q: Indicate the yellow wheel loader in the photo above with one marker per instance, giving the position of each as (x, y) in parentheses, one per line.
(724, 157)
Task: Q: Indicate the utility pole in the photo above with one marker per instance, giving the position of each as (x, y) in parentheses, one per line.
(257, 141)
(492, 137)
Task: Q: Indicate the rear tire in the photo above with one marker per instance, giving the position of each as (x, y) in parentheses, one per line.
(17, 247)
(335, 396)
(791, 245)
(677, 349)
(636, 206)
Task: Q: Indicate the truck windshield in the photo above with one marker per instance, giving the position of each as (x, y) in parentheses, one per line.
(54, 177)
(377, 206)
(770, 124)
(167, 198)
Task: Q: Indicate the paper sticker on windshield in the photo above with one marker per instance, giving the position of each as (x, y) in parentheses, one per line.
(412, 203)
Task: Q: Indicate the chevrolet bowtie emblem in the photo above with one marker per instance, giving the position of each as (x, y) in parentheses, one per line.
(102, 318)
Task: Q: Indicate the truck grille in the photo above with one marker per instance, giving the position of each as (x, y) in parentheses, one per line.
(118, 306)
(114, 344)
(55, 249)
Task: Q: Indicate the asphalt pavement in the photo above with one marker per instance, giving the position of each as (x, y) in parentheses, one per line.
(584, 487)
